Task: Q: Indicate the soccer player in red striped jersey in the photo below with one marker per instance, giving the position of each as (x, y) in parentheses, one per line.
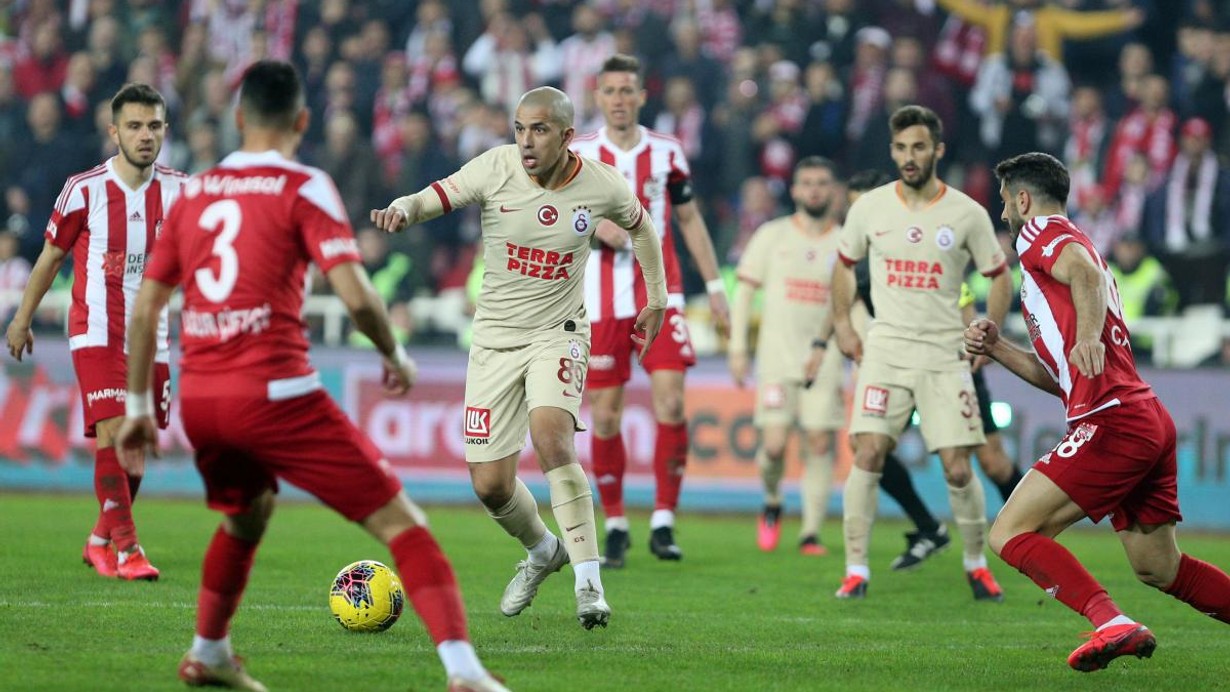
(108, 218)
(239, 242)
(1117, 459)
(654, 166)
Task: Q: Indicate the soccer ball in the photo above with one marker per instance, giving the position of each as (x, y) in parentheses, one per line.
(366, 597)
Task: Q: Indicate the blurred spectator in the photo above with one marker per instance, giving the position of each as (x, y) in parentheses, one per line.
(688, 60)
(435, 70)
(836, 40)
(780, 123)
(44, 67)
(1088, 139)
(1135, 66)
(757, 204)
(935, 91)
(348, 159)
(202, 151)
(1055, 23)
(392, 102)
(77, 96)
(191, 66)
(42, 162)
(392, 276)
(1133, 195)
(104, 47)
(790, 24)
(865, 81)
(14, 274)
(216, 104)
(313, 60)
(1148, 129)
(721, 29)
(1190, 63)
(1145, 289)
(906, 19)
(823, 127)
(959, 49)
(512, 57)
(1210, 97)
(1189, 218)
(1096, 216)
(733, 120)
(152, 44)
(12, 119)
(431, 17)
(1021, 97)
(584, 52)
(873, 150)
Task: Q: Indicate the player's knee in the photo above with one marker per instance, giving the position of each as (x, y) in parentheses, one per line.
(1155, 575)
(606, 424)
(998, 536)
(959, 477)
(775, 451)
(668, 407)
(250, 525)
(493, 493)
(818, 442)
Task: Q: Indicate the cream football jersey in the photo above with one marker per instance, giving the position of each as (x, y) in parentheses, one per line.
(795, 271)
(918, 259)
(535, 241)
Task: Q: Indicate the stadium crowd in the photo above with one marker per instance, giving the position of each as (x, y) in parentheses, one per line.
(1132, 95)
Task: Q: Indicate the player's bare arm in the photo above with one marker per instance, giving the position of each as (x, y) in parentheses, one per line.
(982, 338)
(1075, 268)
(19, 335)
(351, 283)
(700, 245)
(740, 317)
(647, 248)
(819, 346)
(844, 292)
(138, 434)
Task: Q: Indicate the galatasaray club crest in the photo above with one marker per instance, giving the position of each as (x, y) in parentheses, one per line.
(580, 220)
(574, 350)
(945, 238)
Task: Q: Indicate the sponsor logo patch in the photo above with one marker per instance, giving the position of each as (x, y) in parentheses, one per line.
(478, 423)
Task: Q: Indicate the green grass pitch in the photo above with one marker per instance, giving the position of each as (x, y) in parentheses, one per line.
(726, 618)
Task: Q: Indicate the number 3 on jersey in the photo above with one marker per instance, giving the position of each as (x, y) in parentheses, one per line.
(224, 218)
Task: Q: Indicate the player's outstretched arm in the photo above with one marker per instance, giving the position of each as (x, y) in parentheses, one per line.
(740, 317)
(1076, 269)
(844, 290)
(982, 338)
(19, 335)
(648, 251)
(351, 283)
(138, 434)
(700, 245)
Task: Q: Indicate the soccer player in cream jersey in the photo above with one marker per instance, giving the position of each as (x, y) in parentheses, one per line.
(540, 206)
(919, 234)
(791, 258)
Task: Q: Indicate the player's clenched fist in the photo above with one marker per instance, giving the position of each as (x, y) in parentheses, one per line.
(400, 373)
(980, 337)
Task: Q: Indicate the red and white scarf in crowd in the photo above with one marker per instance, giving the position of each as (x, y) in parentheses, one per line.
(1190, 209)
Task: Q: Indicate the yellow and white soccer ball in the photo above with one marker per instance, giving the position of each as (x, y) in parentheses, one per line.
(366, 597)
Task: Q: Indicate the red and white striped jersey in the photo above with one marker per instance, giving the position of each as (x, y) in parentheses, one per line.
(584, 58)
(613, 284)
(110, 229)
(1050, 317)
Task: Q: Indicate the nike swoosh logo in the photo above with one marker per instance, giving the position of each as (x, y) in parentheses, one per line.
(570, 395)
(505, 210)
(880, 233)
(574, 528)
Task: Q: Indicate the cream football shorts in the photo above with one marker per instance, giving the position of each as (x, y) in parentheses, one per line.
(947, 404)
(781, 402)
(504, 384)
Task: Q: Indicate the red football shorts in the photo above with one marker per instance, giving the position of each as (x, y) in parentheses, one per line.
(102, 374)
(612, 349)
(245, 445)
(1119, 462)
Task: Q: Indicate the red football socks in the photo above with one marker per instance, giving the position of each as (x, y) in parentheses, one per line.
(430, 584)
(1058, 572)
(1202, 586)
(224, 574)
(610, 460)
(114, 501)
(670, 456)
